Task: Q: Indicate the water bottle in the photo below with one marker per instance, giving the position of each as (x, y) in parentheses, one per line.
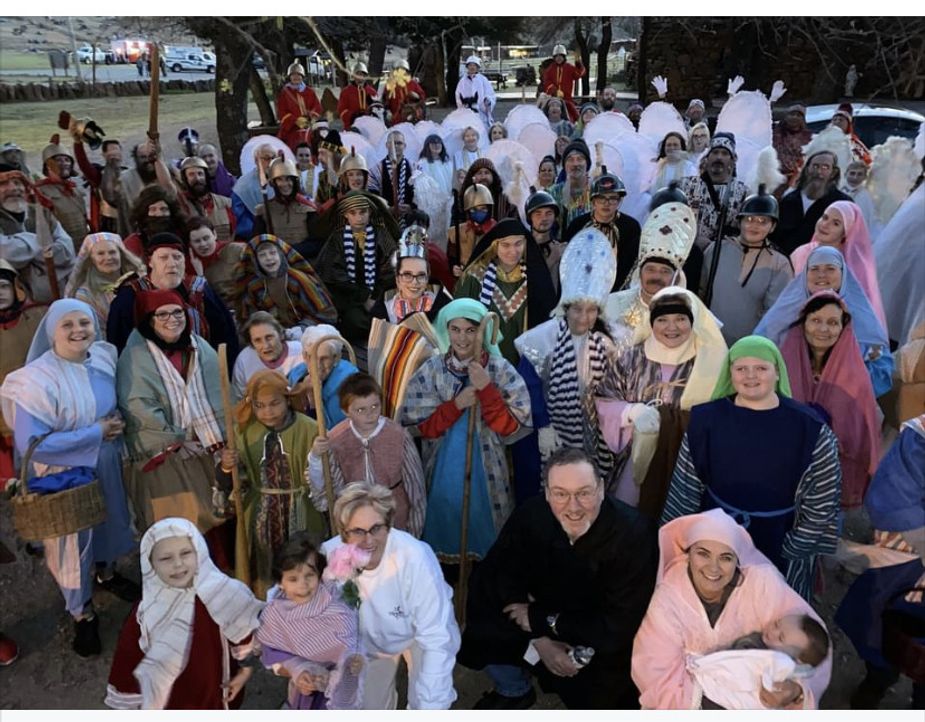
(581, 656)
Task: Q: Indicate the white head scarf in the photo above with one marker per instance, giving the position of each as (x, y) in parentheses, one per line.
(165, 613)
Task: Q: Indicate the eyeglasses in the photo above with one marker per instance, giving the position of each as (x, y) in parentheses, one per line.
(408, 277)
(585, 497)
(609, 200)
(164, 315)
(758, 220)
(358, 535)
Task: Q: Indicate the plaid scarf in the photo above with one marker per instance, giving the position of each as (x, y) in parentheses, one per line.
(369, 256)
(189, 401)
(572, 413)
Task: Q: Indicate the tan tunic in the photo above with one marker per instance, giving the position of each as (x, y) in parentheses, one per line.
(70, 211)
(289, 220)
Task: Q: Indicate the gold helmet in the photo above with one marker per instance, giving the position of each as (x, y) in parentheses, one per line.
(477, 195)
(54, 148)
(282, 168)
(295, 67)
(354, 161)
(401, 63)
(360, 69)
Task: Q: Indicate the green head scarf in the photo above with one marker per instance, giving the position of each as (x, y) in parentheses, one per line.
(757, 347)
(469, 309)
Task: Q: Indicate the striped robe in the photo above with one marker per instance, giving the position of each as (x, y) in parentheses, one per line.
(818, 492)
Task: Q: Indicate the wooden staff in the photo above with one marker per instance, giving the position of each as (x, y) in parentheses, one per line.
(46, 242)
(313, 369)
(462, 589)
(262, 177)
(154, 94)
(242, 568)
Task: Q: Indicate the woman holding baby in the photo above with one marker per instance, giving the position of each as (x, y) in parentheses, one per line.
(722, 618)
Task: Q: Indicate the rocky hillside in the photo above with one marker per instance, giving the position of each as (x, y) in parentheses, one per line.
(39, 34)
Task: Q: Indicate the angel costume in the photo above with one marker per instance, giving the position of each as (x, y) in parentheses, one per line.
(503, 409)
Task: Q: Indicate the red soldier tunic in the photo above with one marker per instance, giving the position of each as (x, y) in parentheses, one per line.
(354, 102)
(395, 99)
(559, 80)
(292, 104)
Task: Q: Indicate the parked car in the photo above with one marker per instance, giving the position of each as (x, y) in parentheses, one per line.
(85, 54)
(873, 124)
(191, 61)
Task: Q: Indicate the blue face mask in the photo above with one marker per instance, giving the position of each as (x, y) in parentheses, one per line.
(478, 215)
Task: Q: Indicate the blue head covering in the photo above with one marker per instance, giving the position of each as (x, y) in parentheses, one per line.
(469, 309)
(45, 333)
(867, 328)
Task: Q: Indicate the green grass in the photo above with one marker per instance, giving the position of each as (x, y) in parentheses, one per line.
(32, 124)
(15, 60)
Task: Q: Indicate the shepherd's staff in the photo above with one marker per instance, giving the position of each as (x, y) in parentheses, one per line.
(154, 94)
(319, 414)
(262, 177)
(45, 239)
(462, 589)
(242, 568)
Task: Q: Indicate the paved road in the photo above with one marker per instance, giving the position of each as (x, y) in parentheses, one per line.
(105, 73)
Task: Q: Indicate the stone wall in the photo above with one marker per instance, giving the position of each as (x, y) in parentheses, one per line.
(37, 92)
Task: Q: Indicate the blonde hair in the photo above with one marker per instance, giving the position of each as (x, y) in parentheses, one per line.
(359, 494)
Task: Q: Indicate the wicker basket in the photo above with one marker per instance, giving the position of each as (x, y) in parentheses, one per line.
(42, 516)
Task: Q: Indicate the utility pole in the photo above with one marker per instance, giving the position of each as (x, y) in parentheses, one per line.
(70, 28)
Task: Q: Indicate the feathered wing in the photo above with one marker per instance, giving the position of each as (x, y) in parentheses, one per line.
(435, 203)
(747, 115)
(658, 120)
(766, 171)
(363, 147)
(920, 142)
(505, 154)
(518, 190)
(831, 140)
(424, 128)
(247, 152)
(539, 139)
(372, 128)
(520, 117)
(607, 127)
(893, 172)
(412, 143)
(455, 123)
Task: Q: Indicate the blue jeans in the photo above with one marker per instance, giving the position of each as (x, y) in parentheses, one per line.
(510, 680)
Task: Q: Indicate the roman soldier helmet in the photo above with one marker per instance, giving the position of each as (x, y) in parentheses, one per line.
(607, 183)
(672, 193)
(193, 161)
(295, 67)
(477, 195)
(540, 199)
(474, 59)
(282, 168)
(54, 148)
(354, 161)
(401, 63)
(360, 68)
(84, 128)
(559, 49)
(761, 203)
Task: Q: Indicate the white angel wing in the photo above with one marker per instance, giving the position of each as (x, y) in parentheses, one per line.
(747, 115)
(505, 153)
(832, 140)
(765, 171)
(425, 128)
(247, 152)
(638, 161)
(520, 117)
(920, 142)
(453, 126)
(371, 127)
(893, 172)
(658, 120)
(436, 204)
(349, 140)
(607, 127)
(539, 139)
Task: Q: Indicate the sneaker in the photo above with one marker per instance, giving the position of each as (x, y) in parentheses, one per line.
(120, 586)
(9, 651)
(494, 700)
(87, 637)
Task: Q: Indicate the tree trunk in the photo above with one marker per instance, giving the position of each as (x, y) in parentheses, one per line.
(641, 59)
(259, 94)
(376, 55)
(232, 78)
(581, 40)
(603, 50)
(337, 47)
(453, 41)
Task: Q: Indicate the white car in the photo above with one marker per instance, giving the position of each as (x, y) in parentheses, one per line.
(197, 62)
(85, 54)
(872, 124)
